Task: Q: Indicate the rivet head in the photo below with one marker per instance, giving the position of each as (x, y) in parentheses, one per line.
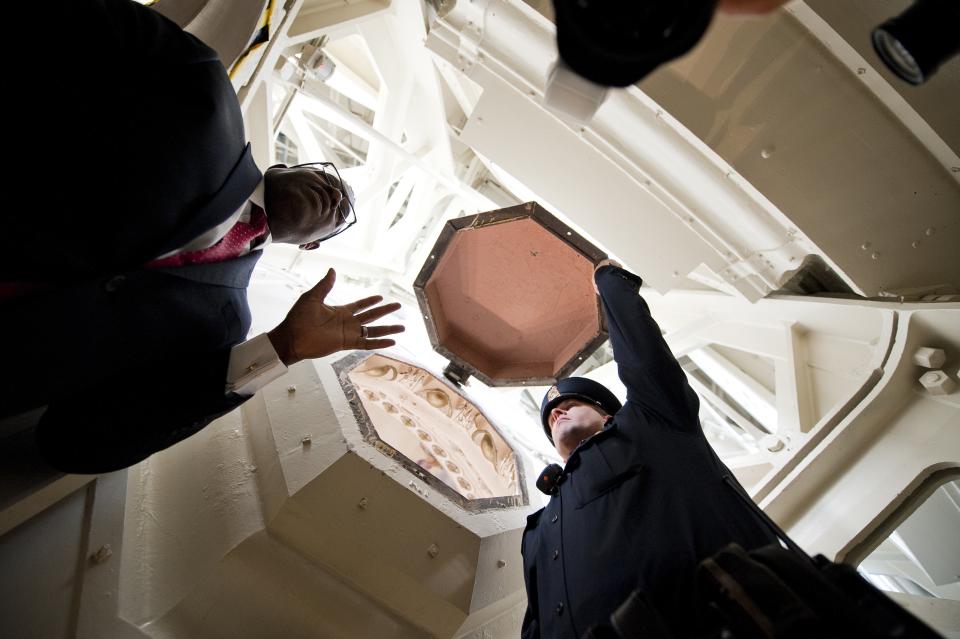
(875, 255)
(362, 504)
(766, 153)
(306, 441)
(291, 388)
(772, 443)
(861, 71)
(102, 554)
(433, 551)
(501, 563)
(865, 246)
(930, 231)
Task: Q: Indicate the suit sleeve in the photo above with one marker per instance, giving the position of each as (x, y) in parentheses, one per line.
(123, 33)
(134, 414)
(161, 132)
(654, 379)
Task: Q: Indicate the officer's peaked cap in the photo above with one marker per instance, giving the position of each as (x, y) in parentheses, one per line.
(580, 388)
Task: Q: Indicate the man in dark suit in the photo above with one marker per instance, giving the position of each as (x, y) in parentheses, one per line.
(123, 302)
(641, 498)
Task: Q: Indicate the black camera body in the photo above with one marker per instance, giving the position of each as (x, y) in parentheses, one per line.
(618, 43)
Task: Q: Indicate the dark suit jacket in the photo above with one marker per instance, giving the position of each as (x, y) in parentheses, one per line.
(639, 504)
(147, 143)
(128, 360)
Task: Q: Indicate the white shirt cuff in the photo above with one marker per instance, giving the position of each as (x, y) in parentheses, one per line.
(257, 197)
(253, 365)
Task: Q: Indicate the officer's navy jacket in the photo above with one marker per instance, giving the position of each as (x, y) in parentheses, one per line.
(640, 503)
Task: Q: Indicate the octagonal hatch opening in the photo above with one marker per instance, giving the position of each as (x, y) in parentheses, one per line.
(432, 429)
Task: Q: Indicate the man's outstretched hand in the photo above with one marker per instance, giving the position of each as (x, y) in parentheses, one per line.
(313, 328)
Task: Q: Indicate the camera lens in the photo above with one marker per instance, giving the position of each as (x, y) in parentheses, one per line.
(896, 56)
(914, 44)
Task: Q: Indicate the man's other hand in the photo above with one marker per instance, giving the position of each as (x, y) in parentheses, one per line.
(313, 328)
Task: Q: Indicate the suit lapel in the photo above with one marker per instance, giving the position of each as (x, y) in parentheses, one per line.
(233, 273)
(235, 190)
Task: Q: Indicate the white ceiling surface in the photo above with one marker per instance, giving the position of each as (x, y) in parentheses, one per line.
(715, 180)
(449, 123)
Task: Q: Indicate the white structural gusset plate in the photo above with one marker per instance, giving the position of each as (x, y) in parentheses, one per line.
(833, 498)
(633, 165)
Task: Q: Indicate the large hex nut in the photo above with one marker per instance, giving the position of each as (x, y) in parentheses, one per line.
(937, 383)
(929, 357)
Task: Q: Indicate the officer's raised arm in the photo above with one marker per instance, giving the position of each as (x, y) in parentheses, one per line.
(654, 379)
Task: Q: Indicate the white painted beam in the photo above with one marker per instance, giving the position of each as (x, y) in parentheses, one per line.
(748, 392)
(794, 399)
(725, 408)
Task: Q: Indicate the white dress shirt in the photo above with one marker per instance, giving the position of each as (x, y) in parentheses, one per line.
(253, 363)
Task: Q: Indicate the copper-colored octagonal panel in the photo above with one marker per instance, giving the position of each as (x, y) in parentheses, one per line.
(508, 295)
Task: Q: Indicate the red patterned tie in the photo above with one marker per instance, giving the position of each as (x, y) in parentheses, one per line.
(233, 244)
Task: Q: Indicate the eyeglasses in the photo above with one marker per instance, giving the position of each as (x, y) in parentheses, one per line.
(345, 208)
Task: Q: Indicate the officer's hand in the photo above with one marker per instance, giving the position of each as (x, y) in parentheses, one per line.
(600, 265)
(313, 328)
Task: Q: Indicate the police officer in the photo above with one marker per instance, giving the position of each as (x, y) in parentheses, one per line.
(641, 498)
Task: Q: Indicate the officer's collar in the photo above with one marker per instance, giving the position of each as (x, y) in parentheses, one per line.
(574, 459)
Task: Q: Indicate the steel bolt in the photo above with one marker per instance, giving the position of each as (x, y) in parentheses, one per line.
(929, 357)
